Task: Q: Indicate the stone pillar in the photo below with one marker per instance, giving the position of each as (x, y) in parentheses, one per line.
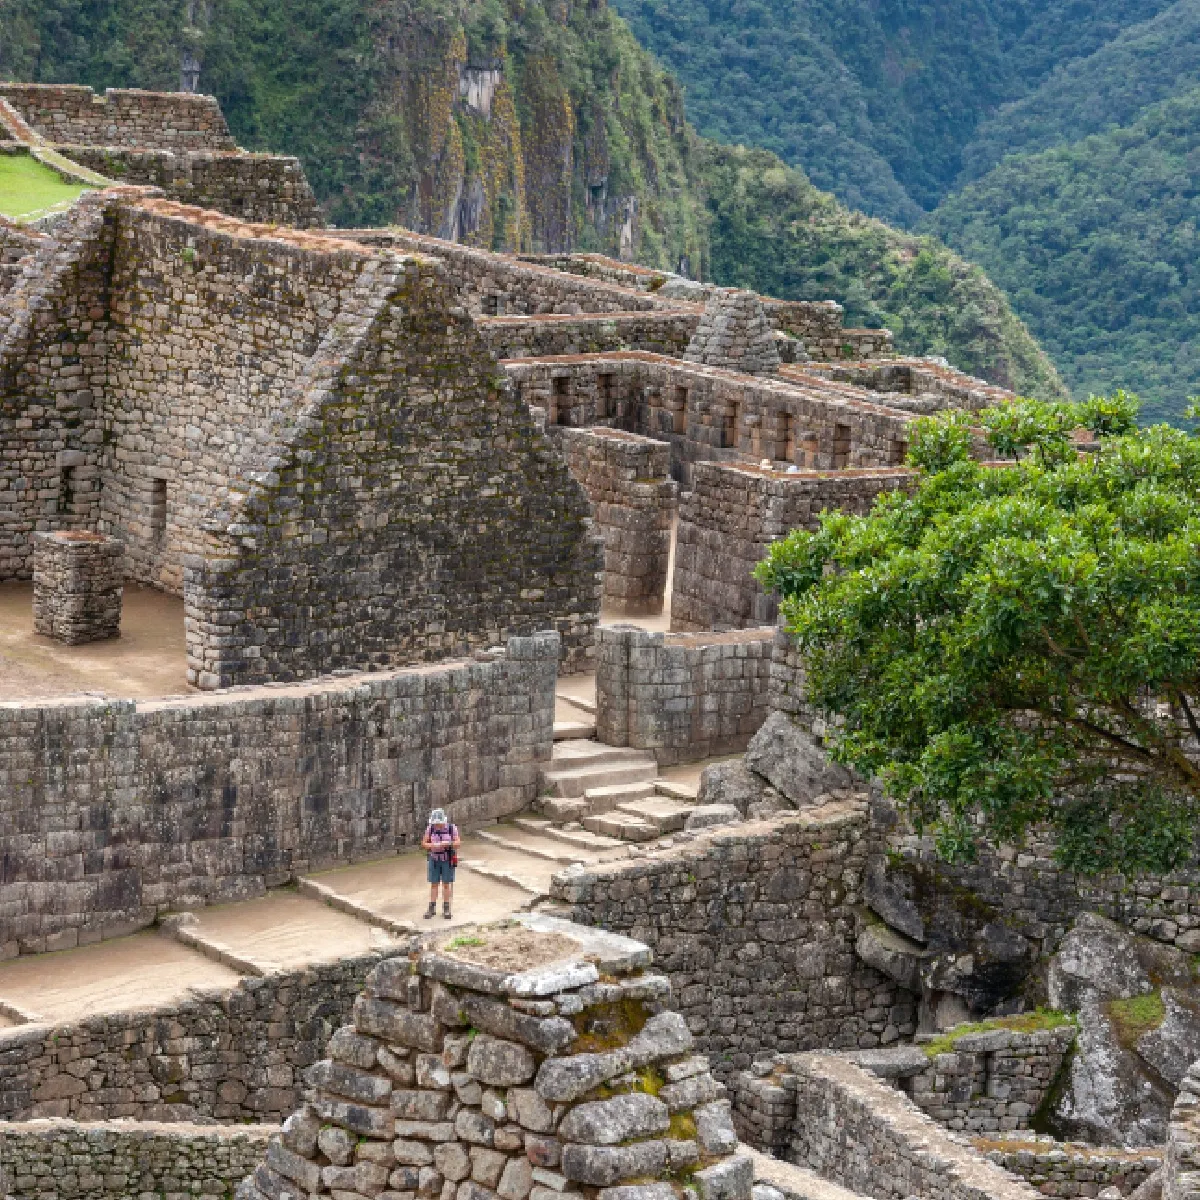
(78, 579)
(558, 1075)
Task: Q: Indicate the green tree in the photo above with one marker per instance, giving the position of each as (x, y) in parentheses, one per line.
(1017, 647)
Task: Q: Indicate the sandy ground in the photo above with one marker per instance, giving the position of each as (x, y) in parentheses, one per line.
(148, 659)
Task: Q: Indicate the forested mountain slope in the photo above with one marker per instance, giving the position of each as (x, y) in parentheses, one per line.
(536, 124)
(1097, 243)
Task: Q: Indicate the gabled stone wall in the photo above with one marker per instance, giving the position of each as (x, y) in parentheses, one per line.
(151, 120)
(666, 333)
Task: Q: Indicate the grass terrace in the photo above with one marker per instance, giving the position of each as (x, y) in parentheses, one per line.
(29, 190)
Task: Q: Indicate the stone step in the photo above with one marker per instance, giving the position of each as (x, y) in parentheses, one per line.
(676, 791)
(604, 799)
(577, 781)
(580, 838)
(563, 809)
(617, 824)
(572, 731)
(665, 815)
(587, 706)
(521, 840)
(580, 752)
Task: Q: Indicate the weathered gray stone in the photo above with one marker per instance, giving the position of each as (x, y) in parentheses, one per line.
(892, 954)
(294, 1167)
(358, 1118)
(731, 1179)
(888, 898)
(794, 762)
(516, 1182)
(415, 1154)
(500, 1063)
(704, 816)
(547, 1035)
(452, 1160)
(714, 1127)
(349, 1046)
(608, 1122)
(420, 1105)
(530, 1110)
(562, 1080)
(688, 1093)
(730, 782)
(486, 1165)
(349, 1082)
(299, 1132)
(474, 1127)
(602, 1166)
(337, 1145)
(664, 1035)
(395, 1023)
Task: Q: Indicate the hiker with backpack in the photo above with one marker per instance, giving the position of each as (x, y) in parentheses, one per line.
(441, 842)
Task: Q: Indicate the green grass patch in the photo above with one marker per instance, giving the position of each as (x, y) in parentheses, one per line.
(462, 940)
(1034, 1022)
(29, 190)
(1137, 1016)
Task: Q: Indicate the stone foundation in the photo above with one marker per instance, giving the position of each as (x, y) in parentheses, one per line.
(560, 1073)
(634, 502)
(78, 580)
(683, 697)
(1070, 1169)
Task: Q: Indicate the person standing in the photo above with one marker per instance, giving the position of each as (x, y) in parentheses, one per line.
(441, 842)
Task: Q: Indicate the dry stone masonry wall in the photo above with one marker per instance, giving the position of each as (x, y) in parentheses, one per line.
(730, 517)
(683, 697)
(1070, 1169)
(734, 333)
(78, 581)
(634, 503)
(97, 842)
(755, 927)
(112, 1160)
(666, 333)
(1181, 1170)
(232, 1055)
(539, 1081)
(150, 120)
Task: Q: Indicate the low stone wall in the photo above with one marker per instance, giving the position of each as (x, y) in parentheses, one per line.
(534, 1080)
(728, 520)
(755, 926)
(1070, 1169)
(683, 697)
(859, 1132)
(266, 188)
(116, 810)
(68, 1160)
(230, 1055)
(988, 1082)
(634, 501)
(1181, 1170)
(600, 266)
(151, 120)
(916, 377)
(666, 333)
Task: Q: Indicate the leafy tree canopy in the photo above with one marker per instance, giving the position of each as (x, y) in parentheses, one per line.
(1017, 647)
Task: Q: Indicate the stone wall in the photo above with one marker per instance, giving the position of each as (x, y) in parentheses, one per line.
(709, 414)
(231, 1055)
(683, 697)
(1181, 1170)
(731, 516)
(267, 188)
(315, 454)
(494, 285)
(78, 581)
(99, 1160)
(150, 120)
(600, 266)
(114, 811)
(1070, 1169)
(855, 1130)
(755, 926)
(666, 333)
(465, 1079)
(942, 385)
(634, 501)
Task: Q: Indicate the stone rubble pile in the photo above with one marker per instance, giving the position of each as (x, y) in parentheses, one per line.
(464, 1082)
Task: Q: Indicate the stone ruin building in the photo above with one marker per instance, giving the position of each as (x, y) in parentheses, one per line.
(419, 525)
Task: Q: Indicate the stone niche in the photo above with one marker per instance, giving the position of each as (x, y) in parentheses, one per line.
(558, 1075)
(78, 579)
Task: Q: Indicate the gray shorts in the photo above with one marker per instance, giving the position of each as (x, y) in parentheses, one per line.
(439, 870)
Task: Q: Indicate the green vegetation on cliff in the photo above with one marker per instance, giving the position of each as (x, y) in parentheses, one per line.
(773, 231)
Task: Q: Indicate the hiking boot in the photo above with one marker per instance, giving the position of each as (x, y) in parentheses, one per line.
(446, 911)
(431, 911)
